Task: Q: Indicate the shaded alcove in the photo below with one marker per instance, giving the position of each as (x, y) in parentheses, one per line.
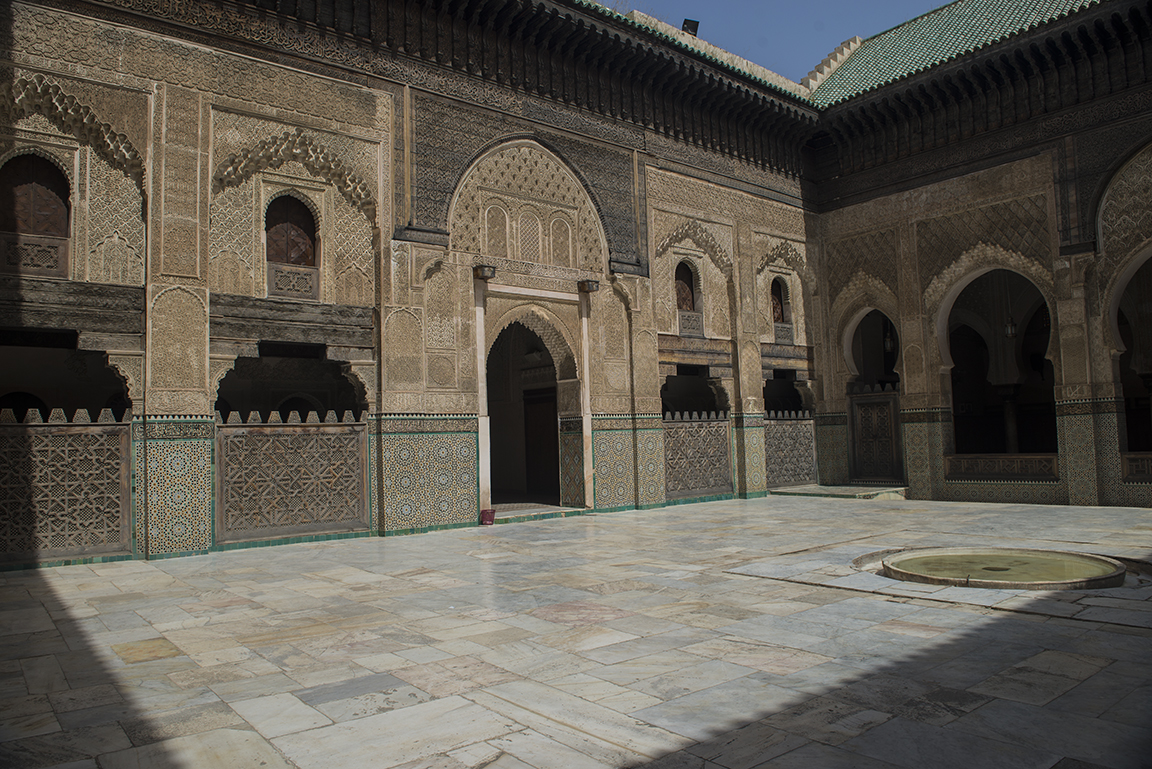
(525, 449)
(781, 393)
(875, 350)
(1134, 323)
(44, 370)
(691, 390)
(1003, 394)
(287, 378)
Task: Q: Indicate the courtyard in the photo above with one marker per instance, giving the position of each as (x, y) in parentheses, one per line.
(730, 634)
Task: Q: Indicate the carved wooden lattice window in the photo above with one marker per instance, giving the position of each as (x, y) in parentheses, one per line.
(290, 231)
(781, 307)
(33, 197)
(529, 238)
(685, 296)
(496, 225)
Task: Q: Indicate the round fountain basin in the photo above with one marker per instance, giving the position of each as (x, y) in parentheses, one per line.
(1004, 568)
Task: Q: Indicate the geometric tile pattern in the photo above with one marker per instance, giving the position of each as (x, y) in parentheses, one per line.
(177, 503)
(697, 459)
(572, 470)
(650, 466)
(614, 462)
(291, 476)
(62, 488)
(626, 450)
(789, 450)
(917, 458)
(1077, 444)
(429, 480)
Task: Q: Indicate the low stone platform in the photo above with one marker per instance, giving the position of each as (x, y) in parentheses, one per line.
(846, 492)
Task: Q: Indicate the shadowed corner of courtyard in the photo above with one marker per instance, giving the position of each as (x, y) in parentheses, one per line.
(83, 669)
(965, 686)
(725, 635)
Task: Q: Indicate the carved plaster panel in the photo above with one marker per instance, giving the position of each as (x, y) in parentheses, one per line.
(520, 203)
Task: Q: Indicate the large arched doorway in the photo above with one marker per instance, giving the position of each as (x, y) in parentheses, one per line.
(1003, 396)
(1134, 324)
(875, 455)
(524, 421)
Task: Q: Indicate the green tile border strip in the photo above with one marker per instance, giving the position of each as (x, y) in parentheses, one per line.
(695, 500)
(427, 529)
(79, 561)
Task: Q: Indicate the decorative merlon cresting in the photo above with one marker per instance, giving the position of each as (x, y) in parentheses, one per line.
(831, 62)
(289, 146)
(37, 95)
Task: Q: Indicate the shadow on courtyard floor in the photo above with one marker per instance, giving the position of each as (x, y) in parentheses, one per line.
(76, 686)
(1011, 689)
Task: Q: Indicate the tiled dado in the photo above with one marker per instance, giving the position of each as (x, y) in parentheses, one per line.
(572, 463)
(429, 470)
(172, 479)
(628, 450)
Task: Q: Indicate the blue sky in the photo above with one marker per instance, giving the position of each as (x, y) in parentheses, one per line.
(786, 36)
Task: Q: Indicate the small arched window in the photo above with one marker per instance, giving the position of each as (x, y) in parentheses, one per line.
(34, 198)
(781, 307)
(290, 231)
(685, 293)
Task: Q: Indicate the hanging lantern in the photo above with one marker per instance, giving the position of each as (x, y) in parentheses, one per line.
(1010, 328)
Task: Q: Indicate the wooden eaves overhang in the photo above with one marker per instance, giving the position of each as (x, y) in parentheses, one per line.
(1090, 55)
(586, 56)
(572, 52)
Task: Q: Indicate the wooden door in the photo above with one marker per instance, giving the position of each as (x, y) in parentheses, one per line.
(875, 440)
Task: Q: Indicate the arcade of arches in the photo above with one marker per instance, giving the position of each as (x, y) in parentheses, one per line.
(437, 280)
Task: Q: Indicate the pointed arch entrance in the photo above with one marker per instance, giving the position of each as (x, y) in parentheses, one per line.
(532, 392)
(872, 349)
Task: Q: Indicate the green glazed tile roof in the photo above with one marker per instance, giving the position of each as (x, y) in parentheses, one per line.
(936, 37)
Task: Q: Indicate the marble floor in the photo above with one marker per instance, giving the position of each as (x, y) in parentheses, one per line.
(729, 635)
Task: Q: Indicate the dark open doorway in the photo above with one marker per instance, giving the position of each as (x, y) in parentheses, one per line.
(522, 408)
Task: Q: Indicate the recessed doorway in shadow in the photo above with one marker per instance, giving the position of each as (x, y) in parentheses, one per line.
(525, 428)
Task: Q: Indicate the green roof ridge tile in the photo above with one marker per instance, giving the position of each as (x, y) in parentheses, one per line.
(934, 38)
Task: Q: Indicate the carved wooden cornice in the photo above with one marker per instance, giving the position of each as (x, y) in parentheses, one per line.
(572, 53)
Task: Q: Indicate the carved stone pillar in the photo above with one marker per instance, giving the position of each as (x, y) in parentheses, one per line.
(174, 434)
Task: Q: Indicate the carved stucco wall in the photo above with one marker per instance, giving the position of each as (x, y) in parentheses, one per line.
(787, 260)
(1126, 209)
(706, 246)
(520, 202)
(907, 254)
(257, 159)
(107, 207)
(177, 339)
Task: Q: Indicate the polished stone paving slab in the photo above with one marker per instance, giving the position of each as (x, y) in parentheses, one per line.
(721, 635)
